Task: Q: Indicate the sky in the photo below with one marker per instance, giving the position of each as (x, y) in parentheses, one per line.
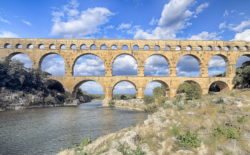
(127, 19)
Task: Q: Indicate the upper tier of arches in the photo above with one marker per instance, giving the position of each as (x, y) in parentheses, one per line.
(135, 45)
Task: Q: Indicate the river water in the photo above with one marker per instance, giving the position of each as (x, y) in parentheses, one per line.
(49, 130)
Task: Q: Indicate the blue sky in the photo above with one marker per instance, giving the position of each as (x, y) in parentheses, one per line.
(127, 19)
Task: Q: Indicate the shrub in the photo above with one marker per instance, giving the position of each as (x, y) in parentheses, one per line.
(188, 140)
(227, 131)
(111, 103)
(125, 150)
(241, 119)
(191, 89)
(241, 79)
(148, 99)
(159, 92)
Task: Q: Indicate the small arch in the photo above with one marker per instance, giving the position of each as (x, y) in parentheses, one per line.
(73, 47)
(178, 48)
(7, 45)
(218, 86)
(124, 47)
(124, 89)
(93, 47)
(114, 47)
(217, 48)
(227, 48)
(167, 48)
(30, 46)
(236, 48)
(83, 47)
(209, 48)
(41, 46)
(52, 46)
(103, 47)
(189, 48)
(245, 48)
(135, 47)
(146, 47)
(199, 48)
(63, 47)
(19, 46)
(157, 48)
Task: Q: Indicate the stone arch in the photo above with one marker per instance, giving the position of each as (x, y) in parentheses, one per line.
(19, 46)
(128, 81)
(93, 47)
(189, 81)
(167, 48)
(199, 48)
(218, 86)
(30, 46)
(25, 58)
(125, 47)
(86, 54)
(136, 47)
(77, 86)
(7, 45)
(83, 47)
(41, 60)
(103, 47)
(218, 66)
(114, 47)
(73, 47)
(242, 59)
(191, 57)
(164, 84)
(157, 48)
(189, 48)
(146, 47)
(166, 71)
(124, 54)
(52, 46)
(209, 48)
(41, 46)
(63, 47)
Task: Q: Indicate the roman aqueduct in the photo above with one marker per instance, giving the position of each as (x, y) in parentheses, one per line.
(141, 50)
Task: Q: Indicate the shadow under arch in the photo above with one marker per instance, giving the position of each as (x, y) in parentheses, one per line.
(86, 54)
(53, 84)
(130, 82)
(123, 54)
(77, 86)
(218, 86)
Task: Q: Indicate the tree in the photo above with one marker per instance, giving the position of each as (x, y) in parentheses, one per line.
(191, 89)
(242, 77)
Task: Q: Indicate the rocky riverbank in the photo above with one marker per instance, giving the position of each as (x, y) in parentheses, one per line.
(131, 104)
(216, 124)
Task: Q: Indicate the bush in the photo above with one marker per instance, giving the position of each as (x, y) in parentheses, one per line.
(227, 131)
(125, 150)
(111, 103)
(241, 79)
(191, 89)
(85, 142)
(188, 140)
(148, 99)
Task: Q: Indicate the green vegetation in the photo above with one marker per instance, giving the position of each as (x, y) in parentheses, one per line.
(111, 103)
(227, 131)
(124, 96)
(125, 150)
(242, 80)
(148, 99)
(188, 140)
(191, 89)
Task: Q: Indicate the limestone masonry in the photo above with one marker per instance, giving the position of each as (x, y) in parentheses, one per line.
(108, 50)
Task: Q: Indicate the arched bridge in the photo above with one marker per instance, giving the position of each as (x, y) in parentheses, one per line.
(109, 50)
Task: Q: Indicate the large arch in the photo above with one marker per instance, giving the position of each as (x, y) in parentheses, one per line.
(21, 57)
(88, 65)
(156, 83)
(124, 65)
(52, 63)
(188, 65)
(218, 86)
(156, 65)
(218, 65)
(55, 85)
(91, 86)
(127, 88)
(195, 86)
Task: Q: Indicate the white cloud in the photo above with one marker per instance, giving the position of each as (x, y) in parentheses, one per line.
(241, 26)
(23, 58)
(245, 35)
(125, 65)
(3, 20)
(124, 26)
(175, 16)
(226, 13)
(201, 7)
(153, 21)
(8, 34)
(205, 36)
(26, 22)
(72, 22)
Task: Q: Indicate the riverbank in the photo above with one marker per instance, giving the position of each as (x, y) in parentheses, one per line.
(215, 124)
(131, 104)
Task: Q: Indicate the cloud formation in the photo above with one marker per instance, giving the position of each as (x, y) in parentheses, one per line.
(205, 36)
(8, 34)
(71, 22)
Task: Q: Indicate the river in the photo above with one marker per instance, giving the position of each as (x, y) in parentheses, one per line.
(49, 130)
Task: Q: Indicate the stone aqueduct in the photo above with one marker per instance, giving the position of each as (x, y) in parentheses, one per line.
(108, 50)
